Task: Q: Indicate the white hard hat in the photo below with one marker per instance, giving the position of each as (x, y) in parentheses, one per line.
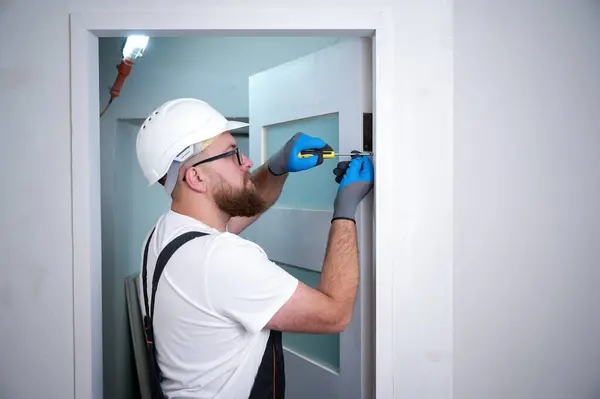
(170, 132)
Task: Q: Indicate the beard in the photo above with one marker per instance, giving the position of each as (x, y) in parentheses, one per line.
(244, 201)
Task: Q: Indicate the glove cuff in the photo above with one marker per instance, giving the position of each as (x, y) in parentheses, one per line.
(342, 218)
(271, 170)
(344, 206)
(276, 164)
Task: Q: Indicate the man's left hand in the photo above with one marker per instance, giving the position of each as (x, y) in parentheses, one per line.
(286, 159)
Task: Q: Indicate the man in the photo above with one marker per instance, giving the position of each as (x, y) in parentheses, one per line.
(221, 304)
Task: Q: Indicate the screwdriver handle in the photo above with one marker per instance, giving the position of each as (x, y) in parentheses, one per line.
(327, 154)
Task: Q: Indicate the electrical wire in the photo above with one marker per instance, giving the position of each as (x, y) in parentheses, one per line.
(107, 105)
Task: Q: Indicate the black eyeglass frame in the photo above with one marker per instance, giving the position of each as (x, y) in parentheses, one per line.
(235, 152)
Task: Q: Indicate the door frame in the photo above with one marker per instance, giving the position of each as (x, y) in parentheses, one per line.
(258, 20)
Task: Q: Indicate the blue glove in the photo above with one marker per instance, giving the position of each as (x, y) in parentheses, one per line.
(356, 180)
(286, 159)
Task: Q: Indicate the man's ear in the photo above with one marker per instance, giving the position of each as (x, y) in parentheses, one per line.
(196, 179)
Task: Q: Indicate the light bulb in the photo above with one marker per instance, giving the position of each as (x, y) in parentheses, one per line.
(135, 46)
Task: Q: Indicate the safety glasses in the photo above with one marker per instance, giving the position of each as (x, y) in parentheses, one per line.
(235, 152)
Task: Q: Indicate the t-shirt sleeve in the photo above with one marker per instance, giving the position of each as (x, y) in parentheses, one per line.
(244, 284)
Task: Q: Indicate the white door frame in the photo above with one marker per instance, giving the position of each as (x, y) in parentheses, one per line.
(257, 20)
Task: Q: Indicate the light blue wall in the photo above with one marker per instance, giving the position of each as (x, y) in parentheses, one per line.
(312, 189)
(213, 69)
(129, 209)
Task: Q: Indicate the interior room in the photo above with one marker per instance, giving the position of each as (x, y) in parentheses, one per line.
(216, 70)
(486, 126)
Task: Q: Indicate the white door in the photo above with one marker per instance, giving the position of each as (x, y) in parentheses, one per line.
(327, 94)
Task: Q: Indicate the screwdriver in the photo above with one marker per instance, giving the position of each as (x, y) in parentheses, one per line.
(330, 154)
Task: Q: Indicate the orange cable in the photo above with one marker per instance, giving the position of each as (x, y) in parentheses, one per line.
(124, 68)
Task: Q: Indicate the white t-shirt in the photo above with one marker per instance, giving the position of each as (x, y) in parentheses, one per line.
(214, 297)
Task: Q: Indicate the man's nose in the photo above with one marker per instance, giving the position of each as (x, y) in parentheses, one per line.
(246, 163)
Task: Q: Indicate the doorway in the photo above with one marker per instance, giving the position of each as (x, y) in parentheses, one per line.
(87, 166)
(217, 70)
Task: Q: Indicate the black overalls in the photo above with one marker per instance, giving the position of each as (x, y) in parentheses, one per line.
(269, 382)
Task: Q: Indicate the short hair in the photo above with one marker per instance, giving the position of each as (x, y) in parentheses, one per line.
(198, 147)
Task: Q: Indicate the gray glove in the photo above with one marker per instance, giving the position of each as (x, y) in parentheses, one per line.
(286, 159)
(356, 180)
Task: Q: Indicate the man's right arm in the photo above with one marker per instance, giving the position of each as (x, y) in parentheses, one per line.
(328, 309)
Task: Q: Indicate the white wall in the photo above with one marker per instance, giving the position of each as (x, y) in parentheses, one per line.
(213, 69)
(525, 192)
(36, 293)
(527, 200)
(526, 189)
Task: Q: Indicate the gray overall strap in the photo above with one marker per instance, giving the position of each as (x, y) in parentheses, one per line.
(161, 262)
